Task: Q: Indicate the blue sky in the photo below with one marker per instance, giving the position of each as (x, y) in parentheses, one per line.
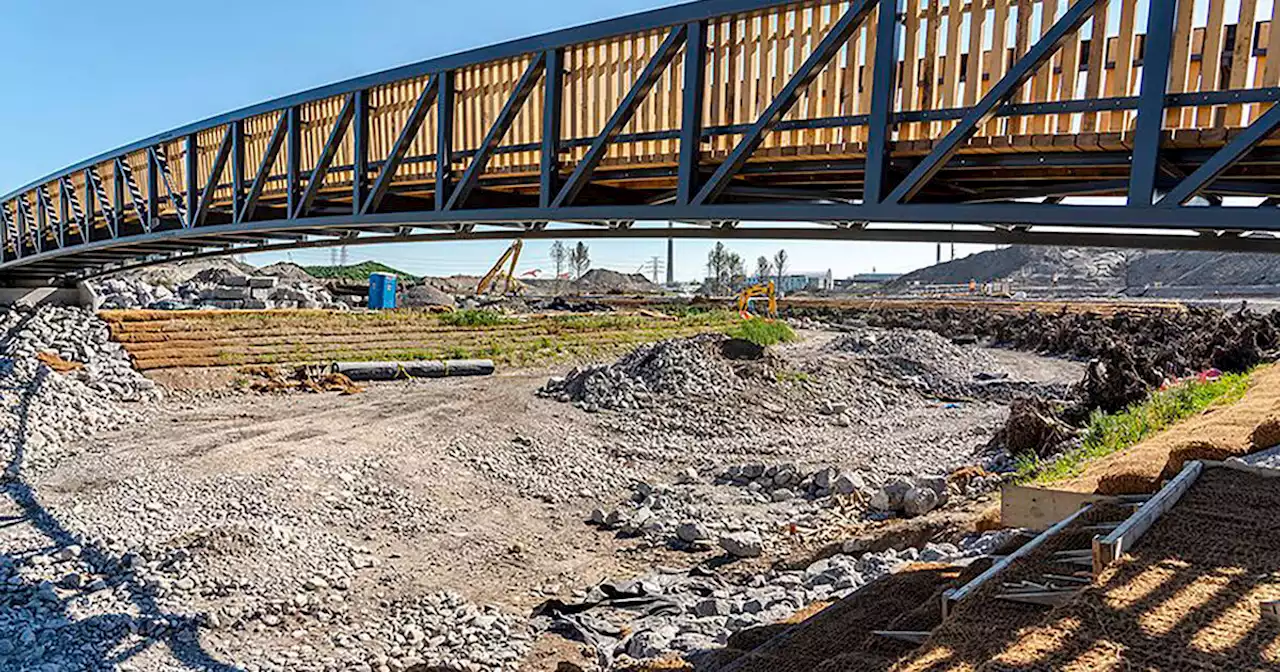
(83, 77)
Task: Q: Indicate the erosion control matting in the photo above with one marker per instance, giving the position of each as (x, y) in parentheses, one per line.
(981, 625)
(1186, 598)
(839, 638)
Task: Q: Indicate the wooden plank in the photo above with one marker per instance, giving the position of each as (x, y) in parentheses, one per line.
(1271, 74)
(1211, 59)
(1070, 72)
(1049, 598)
(869, 59)
(1180, 61)
(1039, 508)
(1041, 86)
(1110, 548)
(909, 636)
(910, 84)
(998, 57)
(973, 69)
(953, 596)
(951, 66)
(928, 69)
(1097, 63)
(1241, 55)
(1118, 83)
(1022, 30)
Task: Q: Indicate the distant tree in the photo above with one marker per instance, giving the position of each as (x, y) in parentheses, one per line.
(721, 264)
(580, 260)
(764, 269)
(780, 266)
(559, 256)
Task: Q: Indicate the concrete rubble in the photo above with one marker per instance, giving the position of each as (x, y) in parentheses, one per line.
(214, 288)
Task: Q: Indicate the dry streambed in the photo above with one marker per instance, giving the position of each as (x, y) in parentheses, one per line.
(420, 522)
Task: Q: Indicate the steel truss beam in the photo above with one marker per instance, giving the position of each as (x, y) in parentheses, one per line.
(410, 131)
(1008, 85)
(330, 150)
(626, 109)
(822, 54)
(1224, 159)
(524, 88)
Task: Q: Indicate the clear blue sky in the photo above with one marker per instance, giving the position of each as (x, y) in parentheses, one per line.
(83, 77)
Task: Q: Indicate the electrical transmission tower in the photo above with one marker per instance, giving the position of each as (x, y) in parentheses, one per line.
(654, 266)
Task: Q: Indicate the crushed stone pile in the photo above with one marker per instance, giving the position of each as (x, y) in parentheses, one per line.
(44, 410)
(681, 368)
(919, 358)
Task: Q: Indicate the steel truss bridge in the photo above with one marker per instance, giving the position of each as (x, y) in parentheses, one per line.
(962, 120)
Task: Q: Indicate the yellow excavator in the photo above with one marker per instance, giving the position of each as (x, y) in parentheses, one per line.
(763, 292)
(513, 254)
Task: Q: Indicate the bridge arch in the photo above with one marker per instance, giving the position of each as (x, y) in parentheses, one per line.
(873, 119)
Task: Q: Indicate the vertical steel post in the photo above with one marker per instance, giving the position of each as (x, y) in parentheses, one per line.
(193, 189)
(117, 193)
(883, 85)
(1155, 82)
(360, 149)
(237, 169)
(153, 191)
(552, 122)
(695, 84)
(293, 160)
(444, 138)
(89, 198)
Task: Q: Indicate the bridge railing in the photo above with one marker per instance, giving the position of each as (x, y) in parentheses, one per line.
(519, 122)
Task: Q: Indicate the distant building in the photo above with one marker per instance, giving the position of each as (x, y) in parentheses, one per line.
(868, 279)
(798, 282)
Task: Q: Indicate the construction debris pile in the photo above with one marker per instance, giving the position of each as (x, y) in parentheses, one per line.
(921, 359)
(214, 288)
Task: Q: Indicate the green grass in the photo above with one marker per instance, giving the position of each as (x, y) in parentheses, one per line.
(1108, 433)
(359, 272)
(763, 332)
(475, 318)
(794, 377)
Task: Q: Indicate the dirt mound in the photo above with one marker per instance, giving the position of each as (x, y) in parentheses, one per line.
(426, 294)
(604, 281)
(286, 271)
(1101, 268)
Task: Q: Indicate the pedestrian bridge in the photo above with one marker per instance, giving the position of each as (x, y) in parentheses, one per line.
(997, 121)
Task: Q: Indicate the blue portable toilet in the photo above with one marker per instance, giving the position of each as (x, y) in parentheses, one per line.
(382, 291)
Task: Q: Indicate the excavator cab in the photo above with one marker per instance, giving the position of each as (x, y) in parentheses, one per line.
(758, 300)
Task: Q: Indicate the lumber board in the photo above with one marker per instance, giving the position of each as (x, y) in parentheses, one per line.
(910, 636)
(1039, 508)
(1108, 549)
(950, 597)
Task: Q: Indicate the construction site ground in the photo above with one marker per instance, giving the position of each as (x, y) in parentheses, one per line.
(472, 485)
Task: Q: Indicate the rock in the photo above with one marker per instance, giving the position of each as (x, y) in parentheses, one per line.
(713, 607)
(691, 532)
(919, 501)
(847, 484)
(742, 544)
(889, 498)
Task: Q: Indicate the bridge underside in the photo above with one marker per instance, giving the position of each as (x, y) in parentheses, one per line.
(730, 119)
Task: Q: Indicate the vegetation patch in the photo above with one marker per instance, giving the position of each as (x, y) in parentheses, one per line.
(763, 332)
(358, 272)
(1108, 433)
(475, 318)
